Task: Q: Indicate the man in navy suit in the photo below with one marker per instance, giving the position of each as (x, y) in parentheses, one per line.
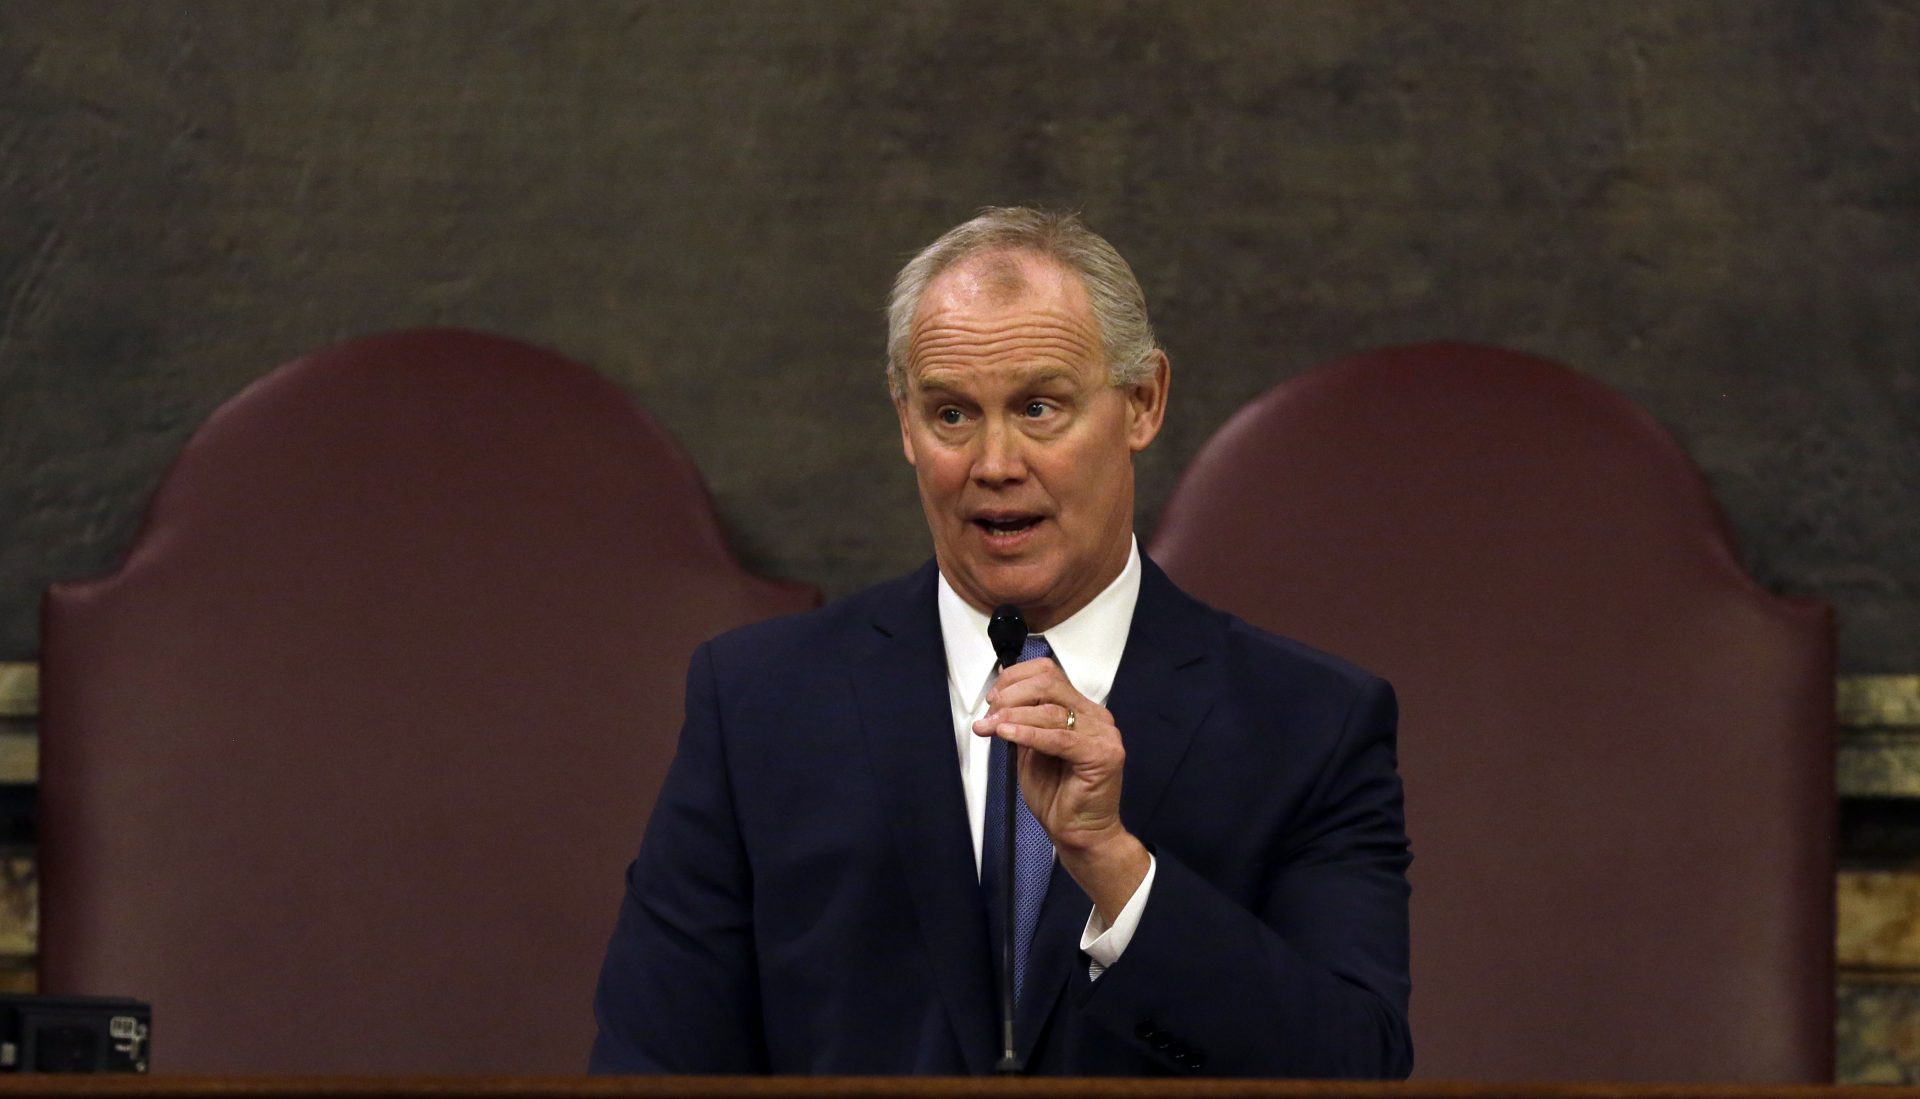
(1225, 890)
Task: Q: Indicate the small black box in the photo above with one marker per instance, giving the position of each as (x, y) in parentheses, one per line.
(74, 1034)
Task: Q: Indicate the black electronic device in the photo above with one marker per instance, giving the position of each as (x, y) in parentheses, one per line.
(74, 1034)
(1007, 629)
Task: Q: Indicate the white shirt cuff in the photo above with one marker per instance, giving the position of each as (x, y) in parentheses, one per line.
(1105, 944)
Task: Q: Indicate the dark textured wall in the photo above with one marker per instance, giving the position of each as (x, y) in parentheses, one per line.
(1713, 206)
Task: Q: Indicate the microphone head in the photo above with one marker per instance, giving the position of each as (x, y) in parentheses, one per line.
(1008, 632)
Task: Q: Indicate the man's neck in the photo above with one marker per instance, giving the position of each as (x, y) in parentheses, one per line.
(1042, 619)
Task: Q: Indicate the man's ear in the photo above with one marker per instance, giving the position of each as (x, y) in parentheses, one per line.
(1147, 403)
(906, 435)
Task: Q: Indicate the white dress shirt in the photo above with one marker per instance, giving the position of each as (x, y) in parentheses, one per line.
(1087, 646)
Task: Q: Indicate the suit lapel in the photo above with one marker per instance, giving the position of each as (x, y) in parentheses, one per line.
(1162, 690)
(904, 713)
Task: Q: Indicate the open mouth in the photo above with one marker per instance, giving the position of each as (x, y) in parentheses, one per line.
(1006, 524)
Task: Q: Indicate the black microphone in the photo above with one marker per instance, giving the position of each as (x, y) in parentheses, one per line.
(1008, 632)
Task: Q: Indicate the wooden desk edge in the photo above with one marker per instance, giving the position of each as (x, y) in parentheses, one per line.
(866, 1087)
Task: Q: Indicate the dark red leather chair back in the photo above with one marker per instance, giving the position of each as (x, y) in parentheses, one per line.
(342, 768)
(1617, 748)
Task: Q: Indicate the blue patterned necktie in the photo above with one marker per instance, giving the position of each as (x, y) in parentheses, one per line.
(1032, 850)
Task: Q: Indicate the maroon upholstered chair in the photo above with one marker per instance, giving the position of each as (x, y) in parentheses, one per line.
(1617, 748)
(342, 768)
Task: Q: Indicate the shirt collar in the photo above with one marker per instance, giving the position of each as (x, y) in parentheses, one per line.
(1087, 645)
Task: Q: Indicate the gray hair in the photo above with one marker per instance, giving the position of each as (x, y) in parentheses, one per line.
(1119, 308)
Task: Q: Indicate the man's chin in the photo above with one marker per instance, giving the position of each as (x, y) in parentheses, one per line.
(997, 587)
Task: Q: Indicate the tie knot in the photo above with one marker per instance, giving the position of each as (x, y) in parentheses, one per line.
(1035, 648)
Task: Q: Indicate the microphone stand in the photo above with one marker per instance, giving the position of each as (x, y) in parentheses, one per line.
(1009, 1063)
(1007, 629)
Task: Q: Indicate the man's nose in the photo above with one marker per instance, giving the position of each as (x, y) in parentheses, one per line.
(1001, 458)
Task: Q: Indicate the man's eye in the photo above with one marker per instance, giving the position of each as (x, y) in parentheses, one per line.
(949, 416)
(1037, 409)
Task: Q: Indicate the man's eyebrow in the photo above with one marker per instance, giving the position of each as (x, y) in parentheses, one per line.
(937, 384)
(944, 382)
(1052, 374)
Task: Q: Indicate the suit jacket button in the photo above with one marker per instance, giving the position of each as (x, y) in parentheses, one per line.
(1145, 1031)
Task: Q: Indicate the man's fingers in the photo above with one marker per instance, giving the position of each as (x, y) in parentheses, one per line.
(1027, 673)
(1027, 669)
(1047, 684)
(1045, 715)
(1055, 741)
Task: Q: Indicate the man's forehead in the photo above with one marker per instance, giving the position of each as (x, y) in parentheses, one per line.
(1003, 277)
(980, 335)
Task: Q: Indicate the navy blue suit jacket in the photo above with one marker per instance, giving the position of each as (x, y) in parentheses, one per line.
(805, 898)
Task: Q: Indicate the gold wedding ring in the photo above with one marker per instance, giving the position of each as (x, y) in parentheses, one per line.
(1071, 720)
